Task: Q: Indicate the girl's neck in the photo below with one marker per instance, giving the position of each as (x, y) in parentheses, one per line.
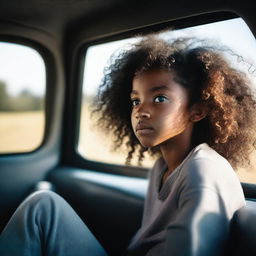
(175, 150)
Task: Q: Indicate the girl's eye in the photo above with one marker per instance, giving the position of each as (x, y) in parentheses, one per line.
(135, 102)
(160, 99)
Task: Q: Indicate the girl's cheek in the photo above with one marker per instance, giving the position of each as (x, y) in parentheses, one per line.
(133, 113)
(133, 119)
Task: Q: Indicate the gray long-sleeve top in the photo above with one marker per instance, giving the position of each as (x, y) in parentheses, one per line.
(190, 214)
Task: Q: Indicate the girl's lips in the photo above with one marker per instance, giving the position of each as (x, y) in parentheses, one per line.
(143, 129)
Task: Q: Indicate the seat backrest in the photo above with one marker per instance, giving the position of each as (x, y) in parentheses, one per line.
(243, 231)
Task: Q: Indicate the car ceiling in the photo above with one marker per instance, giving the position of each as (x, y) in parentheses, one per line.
(60, 16)
(54, 15)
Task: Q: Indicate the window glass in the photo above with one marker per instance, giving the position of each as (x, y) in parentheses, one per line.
(94, 145)
(22, 93)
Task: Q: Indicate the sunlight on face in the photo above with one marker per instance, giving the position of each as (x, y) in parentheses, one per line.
(160, 108)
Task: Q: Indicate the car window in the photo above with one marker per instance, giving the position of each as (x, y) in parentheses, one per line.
(22, 93)
(94, 145)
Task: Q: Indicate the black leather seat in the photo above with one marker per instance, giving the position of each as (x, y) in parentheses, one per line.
(243, 231)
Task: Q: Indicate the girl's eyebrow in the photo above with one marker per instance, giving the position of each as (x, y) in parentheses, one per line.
(159, 88)
(133, 92)
(154, 89)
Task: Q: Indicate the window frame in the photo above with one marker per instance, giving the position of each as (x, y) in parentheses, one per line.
(49, 65)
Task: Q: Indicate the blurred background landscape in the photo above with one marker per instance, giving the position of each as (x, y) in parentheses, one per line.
(21, 120)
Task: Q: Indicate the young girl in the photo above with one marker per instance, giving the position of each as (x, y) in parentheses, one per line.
(186, 105)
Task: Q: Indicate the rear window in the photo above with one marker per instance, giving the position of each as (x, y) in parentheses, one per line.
(94, 145)
(22, 95)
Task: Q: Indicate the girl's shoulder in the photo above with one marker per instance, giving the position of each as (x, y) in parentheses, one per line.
(206, 159)
(208, 173)
(206, 168)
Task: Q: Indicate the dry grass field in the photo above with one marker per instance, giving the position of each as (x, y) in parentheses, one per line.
(23, 132)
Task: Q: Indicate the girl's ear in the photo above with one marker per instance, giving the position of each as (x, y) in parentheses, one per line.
(198, 112)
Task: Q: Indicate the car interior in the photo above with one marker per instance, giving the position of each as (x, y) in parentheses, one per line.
(107, 195)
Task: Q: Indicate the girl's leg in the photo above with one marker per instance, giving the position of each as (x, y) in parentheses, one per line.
(45, 224)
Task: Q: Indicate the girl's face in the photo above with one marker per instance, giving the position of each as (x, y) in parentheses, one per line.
(160, 108)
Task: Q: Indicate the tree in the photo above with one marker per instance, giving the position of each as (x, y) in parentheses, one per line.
(25, 101)
(4, 97)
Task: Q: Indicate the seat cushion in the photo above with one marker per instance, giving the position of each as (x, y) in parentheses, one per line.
(243, 231)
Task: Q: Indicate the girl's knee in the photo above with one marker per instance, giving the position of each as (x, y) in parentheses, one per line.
(42, 195)
(44, 198)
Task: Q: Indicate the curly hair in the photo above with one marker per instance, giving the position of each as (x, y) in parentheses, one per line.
(208, 77)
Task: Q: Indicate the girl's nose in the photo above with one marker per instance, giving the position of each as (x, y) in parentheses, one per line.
(142, 114)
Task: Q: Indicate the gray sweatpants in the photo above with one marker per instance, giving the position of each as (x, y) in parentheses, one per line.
(45, 224)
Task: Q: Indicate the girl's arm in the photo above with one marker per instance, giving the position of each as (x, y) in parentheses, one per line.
(202, 227)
